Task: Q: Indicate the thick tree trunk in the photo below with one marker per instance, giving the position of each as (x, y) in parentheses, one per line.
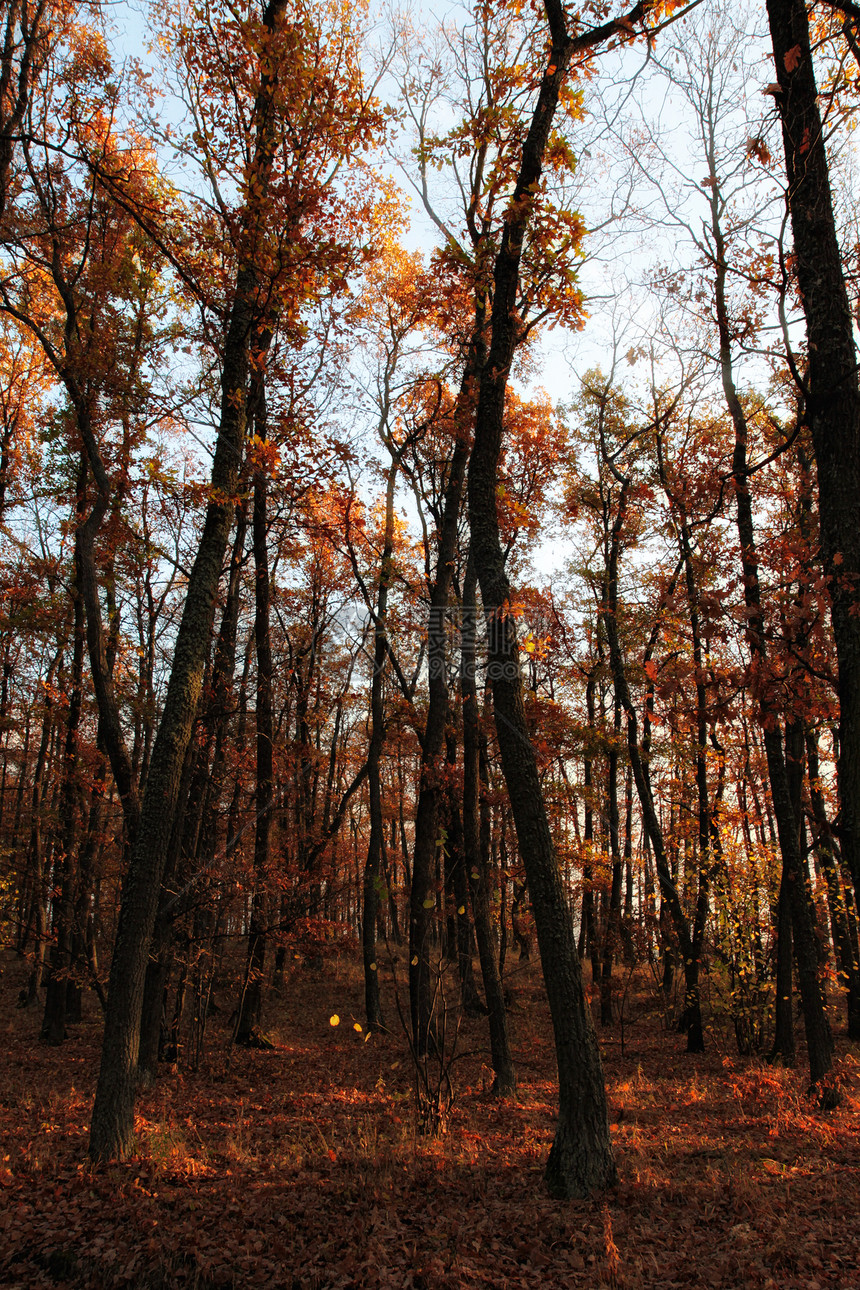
(194, 837)
(818, 1037)
(113, 1112)
(832, 393)
(111, 1132)
(819, 1041)
(153, 1022)
(211, 784)
(581, 1158)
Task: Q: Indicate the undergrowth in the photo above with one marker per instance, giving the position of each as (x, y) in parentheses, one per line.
(303, 1165)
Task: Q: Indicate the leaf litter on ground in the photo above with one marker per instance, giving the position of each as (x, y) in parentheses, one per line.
(300, 1166)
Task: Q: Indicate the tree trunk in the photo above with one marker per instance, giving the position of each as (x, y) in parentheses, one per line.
(828, 856)
(422, 896)
(100, 656)
(581, 1158)
(818, 1037)
(63, 901)
(783, 1049)
(708, 849)
(819, 1040)
(251, 1002)
(153, 1016)
(589, 922)
(461, 943)
(113, 1111)
(476, 846)
(612, 932)
(832, 392)
(376, 841)
(36, 858)
(193, 841)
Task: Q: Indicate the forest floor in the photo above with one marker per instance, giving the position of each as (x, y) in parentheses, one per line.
(301, 1167)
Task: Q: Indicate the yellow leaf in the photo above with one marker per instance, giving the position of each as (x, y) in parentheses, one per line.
(334, 1020)
(415, 961)
(461, 909)
(357, 1026)
(429, 902)
(373, 967)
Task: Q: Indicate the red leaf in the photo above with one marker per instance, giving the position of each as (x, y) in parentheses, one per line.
(792, 58)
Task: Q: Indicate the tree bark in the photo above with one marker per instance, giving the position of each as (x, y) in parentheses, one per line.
(612, 934)
(818, 1036)
(455, 862)
(376, 841)
(581, 1158)
(422, 894)
(783, 1048)
(63, 900)
(819, 1040)
(251, 1002)
(113, 1112)
(827, 850)
(36, 858)
(832, 392)
(476, 845)
(708, 848)
(589, 922)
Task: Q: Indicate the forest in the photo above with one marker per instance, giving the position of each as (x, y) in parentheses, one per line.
(430, 644)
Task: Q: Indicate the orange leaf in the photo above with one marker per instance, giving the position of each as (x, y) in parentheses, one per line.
(792, 58)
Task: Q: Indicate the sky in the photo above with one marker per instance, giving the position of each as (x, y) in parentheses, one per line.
(639, 185)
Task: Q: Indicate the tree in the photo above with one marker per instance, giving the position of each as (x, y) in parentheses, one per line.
(581, 1157)
(830, 388)
(278, 70)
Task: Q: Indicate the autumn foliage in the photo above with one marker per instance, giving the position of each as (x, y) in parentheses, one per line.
(429, 646)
